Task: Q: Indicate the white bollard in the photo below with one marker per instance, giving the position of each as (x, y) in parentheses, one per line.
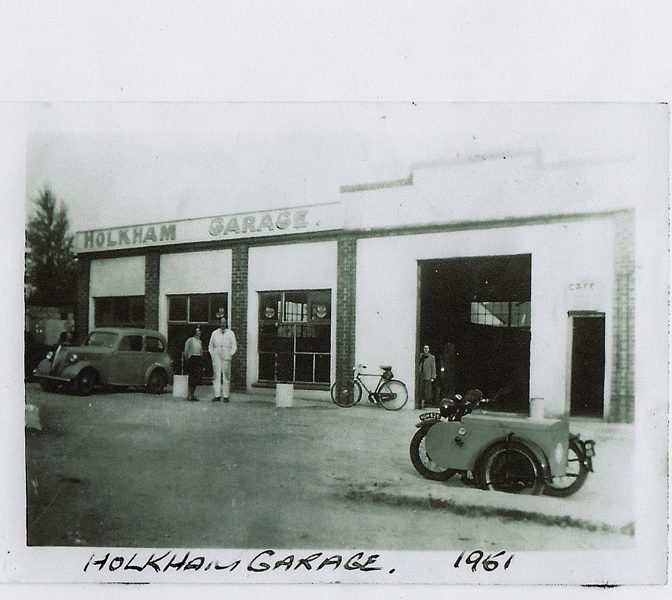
(536, 408)
(33, 417)
(284, 395)
(180, 386)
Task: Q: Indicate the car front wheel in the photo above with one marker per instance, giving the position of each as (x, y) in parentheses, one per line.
(85, 382)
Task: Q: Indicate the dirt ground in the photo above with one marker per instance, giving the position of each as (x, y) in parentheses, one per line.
(129, 469)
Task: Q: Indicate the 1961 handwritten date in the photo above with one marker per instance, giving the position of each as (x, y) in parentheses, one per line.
(487, 563)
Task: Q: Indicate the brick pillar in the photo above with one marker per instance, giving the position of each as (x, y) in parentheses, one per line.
(82, 298)
(152, 264)
(239, 269)
(622, 405)
(346, 308)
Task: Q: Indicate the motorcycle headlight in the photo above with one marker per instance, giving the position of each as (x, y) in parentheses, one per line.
(50, 355)
(559, 453)
(73, 358)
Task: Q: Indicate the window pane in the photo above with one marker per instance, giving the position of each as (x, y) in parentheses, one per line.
(497, 314)
(138, 311)
(198, 309)
(313, 339)
(322, 368)
(266, 366)
(177, 310)
(218, 304)
(131, 343)
(296, 307)
(102, 339)
(270, 304)
(153, 344)
(320, 305)
(304, 368)
(103, 311)
(285, 370)
(122, 311)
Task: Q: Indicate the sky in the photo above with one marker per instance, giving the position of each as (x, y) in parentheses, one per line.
(123, 164)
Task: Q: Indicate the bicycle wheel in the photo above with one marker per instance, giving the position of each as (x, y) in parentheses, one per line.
(347, 395)
(393, 394)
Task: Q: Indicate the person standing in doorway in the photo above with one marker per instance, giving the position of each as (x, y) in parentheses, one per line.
(193, 355)
(427, 367)
(222, 347)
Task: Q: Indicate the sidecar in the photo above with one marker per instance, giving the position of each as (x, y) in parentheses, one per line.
(511, 453)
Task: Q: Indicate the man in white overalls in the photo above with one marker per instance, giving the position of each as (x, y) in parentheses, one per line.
(222, 347)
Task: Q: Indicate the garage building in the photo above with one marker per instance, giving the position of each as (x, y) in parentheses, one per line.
(518, 273)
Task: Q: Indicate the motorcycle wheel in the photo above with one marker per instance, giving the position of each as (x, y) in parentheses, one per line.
(348, 395)
(576, 475)
(510, 467)
(422, 462)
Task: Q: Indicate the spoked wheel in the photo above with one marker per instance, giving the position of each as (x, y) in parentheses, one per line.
(347, 395)
(422, 461)
(510, 467)
(575, 476)
(393, 395)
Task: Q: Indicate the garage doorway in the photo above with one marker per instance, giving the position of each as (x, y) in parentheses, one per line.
(587, 364)
(474, 313)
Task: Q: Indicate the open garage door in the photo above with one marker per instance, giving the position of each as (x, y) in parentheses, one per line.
(475, 316)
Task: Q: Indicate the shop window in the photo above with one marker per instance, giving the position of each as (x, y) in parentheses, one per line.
(119, 311)
(295, 336)
(185, 312)
(501, 314)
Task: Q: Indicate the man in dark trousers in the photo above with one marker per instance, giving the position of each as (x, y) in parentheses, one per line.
(427, 367)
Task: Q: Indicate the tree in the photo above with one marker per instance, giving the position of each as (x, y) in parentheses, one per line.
(51, 266)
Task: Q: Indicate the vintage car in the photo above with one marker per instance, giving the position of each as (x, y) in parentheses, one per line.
(110, 356)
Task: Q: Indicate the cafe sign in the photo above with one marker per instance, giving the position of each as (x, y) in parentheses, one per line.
(303, 219)
(587, 293)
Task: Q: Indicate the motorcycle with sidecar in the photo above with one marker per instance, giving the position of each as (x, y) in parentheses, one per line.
(502, 451)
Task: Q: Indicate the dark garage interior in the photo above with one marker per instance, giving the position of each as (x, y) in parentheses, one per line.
(475, 316)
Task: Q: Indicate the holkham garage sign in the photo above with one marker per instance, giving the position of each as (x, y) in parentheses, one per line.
(323, 217)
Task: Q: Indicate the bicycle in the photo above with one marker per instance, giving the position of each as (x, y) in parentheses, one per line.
(389, 393)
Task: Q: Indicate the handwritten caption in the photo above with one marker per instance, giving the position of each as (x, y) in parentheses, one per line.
(488, 563)
(271, 561)
(264, 561)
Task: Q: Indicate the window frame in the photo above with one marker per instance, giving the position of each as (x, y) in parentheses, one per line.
(285, 316)
(505, 320)
(105, 305)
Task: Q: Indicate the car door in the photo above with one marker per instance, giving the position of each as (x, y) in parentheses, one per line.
(126, 364)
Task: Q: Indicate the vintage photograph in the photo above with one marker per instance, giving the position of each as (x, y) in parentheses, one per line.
(334, 340)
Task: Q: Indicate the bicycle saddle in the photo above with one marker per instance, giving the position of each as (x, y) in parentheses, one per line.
(385, 368)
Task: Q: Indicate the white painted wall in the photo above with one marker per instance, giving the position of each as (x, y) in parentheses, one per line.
(289, 267)
(193, 273)
(116, 277)
(484, 189)
(387, 293)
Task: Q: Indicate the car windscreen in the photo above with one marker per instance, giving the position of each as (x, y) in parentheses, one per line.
(103, 339)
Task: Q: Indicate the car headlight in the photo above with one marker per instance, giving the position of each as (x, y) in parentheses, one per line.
(73, 358)
(50, 355)
(559, 453)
